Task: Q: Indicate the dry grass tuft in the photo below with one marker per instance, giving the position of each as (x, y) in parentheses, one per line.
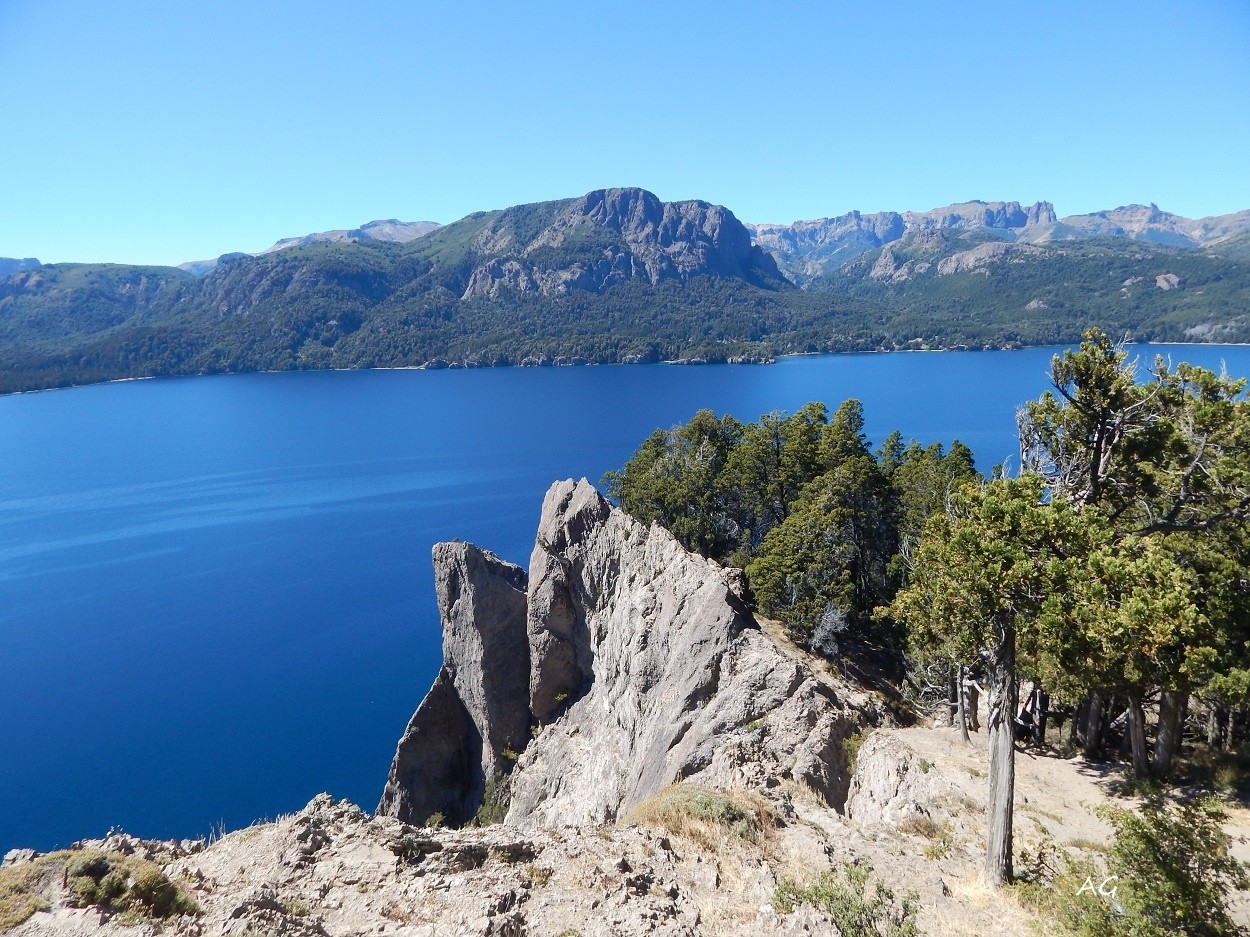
(19, 899)
(133, 887)
(706, 817)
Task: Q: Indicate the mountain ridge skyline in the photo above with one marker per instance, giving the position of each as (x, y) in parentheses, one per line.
(618, 275)
(1134, 221)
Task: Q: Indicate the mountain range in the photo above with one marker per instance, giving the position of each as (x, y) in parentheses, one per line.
(619, 275)
(400, 232)
(808, 249)
(805, 249)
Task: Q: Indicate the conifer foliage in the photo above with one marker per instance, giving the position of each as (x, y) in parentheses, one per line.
(799, 501)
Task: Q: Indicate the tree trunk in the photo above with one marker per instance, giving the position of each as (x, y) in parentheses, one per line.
(1040, 709)
(1002, 710)
(1168, 742)
(1126, 737)
(1230, 728)
(1079, 730)
(954, 695)
(1216, 717)
(1093, 732)
(962, 694)
(1136, 731)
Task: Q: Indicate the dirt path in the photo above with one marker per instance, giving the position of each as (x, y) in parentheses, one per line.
(1055, 804)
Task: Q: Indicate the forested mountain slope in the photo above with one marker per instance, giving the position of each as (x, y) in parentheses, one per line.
(620, 276)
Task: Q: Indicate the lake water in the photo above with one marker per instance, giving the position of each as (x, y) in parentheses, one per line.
(216, 597)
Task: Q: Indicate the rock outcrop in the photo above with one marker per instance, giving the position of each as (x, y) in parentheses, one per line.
(806, 249)
(892, 783)
(977, 258)
(609, 236)
(643, 667)
(330, 870)
(475, 717)
(629, 664)
(1146, 223)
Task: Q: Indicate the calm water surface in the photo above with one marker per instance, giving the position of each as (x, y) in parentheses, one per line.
(216, 598)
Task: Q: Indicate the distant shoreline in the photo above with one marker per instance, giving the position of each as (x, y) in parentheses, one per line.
(677, 362)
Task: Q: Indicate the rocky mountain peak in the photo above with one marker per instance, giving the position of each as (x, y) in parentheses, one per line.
(1040, 213)
(979, 214)
(389, 230)
(1146, 223)
(628, 209)
(609, 236)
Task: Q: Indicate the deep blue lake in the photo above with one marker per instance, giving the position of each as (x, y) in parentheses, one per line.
(216, 598)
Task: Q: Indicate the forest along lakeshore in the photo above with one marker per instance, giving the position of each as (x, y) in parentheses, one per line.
(1109, 577)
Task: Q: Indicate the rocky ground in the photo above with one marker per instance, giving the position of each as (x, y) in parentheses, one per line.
(915, 815)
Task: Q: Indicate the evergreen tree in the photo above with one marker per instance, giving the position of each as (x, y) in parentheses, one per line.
(1168, 457)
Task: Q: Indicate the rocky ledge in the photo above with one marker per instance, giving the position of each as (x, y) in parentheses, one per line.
(627, 665)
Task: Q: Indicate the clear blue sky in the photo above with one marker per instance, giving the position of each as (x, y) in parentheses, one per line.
(159, 132)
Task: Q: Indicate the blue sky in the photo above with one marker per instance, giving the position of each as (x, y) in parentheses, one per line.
(158, 132)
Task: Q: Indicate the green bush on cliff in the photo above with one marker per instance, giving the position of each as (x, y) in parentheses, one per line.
(126, 885)
(856, 909)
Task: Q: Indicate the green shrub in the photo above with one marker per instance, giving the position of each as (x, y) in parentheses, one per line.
(297, 907)
(152, 893)
(857, 910)
(1175, 868)
(1168, 873)
(133, 888)
(125, 884)
(537, 874)
(495, 801)
(851, 745)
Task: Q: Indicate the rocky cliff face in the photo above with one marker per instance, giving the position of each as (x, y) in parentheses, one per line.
(476, 715)
(1145, 223)
(643, 667)
(621, 665)
(925, 254)
(609, 236)
(807, 249)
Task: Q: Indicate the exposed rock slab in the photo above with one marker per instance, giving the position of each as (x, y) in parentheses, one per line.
(638, 663)
(893, 783)
(647, 668)
(476, 716)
